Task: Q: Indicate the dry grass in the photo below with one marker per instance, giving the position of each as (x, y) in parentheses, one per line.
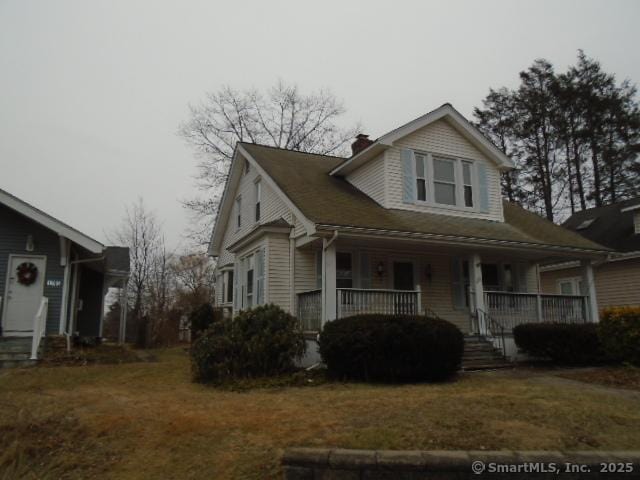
(618, 377)
(145, 420)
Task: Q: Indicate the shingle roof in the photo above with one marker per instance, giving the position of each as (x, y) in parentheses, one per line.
(611, 226)
(329, 200)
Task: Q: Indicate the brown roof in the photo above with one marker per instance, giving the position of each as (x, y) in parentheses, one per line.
(327, 200)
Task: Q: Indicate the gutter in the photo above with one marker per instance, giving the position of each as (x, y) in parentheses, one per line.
(458, 239)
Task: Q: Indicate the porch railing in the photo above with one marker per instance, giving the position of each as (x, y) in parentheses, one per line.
(310, 310)
(511, 309)
(39, 327)
(352, 301)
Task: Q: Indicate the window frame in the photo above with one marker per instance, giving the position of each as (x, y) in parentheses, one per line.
(576, 284)
(258, 199)
(238, 212)
(459, 185)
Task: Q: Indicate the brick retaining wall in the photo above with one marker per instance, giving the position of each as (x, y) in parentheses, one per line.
(341, 464)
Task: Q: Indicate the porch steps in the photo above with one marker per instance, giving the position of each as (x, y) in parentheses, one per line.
(15, 352)
(480, 354)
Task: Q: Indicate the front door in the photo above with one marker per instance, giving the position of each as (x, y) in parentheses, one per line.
(403, 280)
(403, 276)
(25, 282)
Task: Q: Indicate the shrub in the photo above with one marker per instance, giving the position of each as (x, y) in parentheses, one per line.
(619, 332)
(259, 342)
(571, 344)
(391, 348)
(201, 318)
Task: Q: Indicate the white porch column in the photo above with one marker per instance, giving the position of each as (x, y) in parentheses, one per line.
(589, 289)
(328, 281)
(475, 280)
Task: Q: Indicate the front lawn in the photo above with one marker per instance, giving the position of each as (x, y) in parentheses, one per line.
(618, 377)
(146, 420)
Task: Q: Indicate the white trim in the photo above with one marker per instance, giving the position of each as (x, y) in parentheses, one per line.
(6, 284)
(629, 209)
(49, 222)
(464, 127)
(575, 281)
(224, 210)
(453, 239)
(65, 284)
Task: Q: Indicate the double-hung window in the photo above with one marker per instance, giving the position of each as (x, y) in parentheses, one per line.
(421, 177)
(467, 183)
(249, 280)
(238, 212)
(258, 195)
(444, 181)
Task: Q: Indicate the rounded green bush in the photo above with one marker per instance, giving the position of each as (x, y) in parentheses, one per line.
(619, 332)
(201, 318)
(563, 343)
(391, 348)
(258, 342)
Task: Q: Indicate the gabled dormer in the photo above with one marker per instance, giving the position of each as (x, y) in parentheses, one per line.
(437, 163)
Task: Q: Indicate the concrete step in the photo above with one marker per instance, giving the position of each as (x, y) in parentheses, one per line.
(486, 366)
(14, 355)
(17, 363)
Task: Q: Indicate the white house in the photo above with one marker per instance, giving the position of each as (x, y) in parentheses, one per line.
(412, 222)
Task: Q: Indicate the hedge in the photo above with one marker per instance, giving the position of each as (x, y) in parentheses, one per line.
(391, 348)
(258, 342)
(619, 332)
(570, 344)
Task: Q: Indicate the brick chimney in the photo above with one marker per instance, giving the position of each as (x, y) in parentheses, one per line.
(362, 142)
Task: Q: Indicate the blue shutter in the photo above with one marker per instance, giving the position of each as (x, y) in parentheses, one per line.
(408, 177)
(457, 284)
(365, 270)
(483, 185)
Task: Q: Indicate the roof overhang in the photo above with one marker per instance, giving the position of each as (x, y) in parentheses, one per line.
(323, 229)
(631, 208)
(230, 187)
(256, 234)
(445, 112)
(51, 223)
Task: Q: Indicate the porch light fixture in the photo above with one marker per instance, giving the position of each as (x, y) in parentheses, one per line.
(29, 247)
(380, 269)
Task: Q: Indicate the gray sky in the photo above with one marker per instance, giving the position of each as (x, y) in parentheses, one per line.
(92, 92)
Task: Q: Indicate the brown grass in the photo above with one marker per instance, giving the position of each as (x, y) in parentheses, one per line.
(617, 377)
(145, 420)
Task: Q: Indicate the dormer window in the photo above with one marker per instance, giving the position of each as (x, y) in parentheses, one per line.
(448, 182)
(444, 181)
(247, 167)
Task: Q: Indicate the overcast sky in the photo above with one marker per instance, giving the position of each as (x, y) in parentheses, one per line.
(92, 92)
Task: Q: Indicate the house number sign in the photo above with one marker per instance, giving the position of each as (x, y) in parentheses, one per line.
(54, 283)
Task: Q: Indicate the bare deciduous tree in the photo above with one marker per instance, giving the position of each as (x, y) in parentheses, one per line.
(283, 117)
(140, 231)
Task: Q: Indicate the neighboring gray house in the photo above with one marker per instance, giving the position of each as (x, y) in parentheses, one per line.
(411, 222)
(53, 278)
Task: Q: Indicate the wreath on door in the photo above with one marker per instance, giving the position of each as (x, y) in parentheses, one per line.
(27, 273)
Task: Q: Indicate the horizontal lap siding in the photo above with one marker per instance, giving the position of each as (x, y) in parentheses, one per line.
(305, 270)
(440, 138)
(14, 229)
(271, 208)
(617, 283)
(370, 178)
(278, 288)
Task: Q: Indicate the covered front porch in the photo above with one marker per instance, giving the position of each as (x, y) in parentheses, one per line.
(484, 290)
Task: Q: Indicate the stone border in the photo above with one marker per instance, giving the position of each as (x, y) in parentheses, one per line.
(342, 464)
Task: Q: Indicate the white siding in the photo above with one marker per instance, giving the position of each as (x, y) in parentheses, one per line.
(305, 270)
(370, 179)
(440, 138)
(277, 264)
(272, 208)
